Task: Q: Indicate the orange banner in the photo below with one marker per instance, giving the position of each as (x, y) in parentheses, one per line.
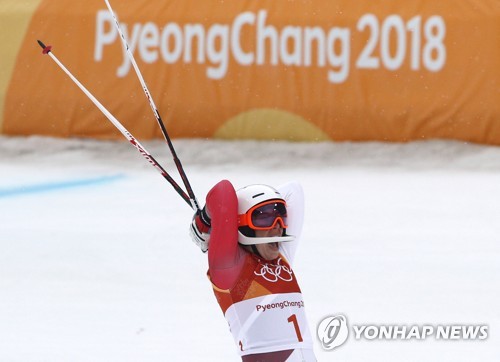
(292, 70)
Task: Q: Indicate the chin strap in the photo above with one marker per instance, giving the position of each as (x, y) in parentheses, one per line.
(255, 251)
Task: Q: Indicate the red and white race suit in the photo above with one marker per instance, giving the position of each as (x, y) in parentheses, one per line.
(261, 300)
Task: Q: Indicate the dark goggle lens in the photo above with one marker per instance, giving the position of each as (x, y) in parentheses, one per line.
(265, 216)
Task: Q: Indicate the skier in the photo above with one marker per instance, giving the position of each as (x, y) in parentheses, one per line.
(251, 236)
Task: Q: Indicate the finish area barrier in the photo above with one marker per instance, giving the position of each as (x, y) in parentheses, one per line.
(290, 70)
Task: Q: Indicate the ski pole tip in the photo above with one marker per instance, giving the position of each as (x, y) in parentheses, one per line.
(45, 48)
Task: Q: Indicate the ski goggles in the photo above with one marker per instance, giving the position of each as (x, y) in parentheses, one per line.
(264, 216)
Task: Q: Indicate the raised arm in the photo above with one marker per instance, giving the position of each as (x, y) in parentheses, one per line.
(294, 196)
(225, 257)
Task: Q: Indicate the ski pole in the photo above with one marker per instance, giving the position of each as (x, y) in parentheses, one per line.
(121, 128)
(177, 162)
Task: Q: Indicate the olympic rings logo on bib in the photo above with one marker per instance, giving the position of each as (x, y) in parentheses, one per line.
(272, 273)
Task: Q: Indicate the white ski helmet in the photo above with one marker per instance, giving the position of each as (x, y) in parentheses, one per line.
(249, 198)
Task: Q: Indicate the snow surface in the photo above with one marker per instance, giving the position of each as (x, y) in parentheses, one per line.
(96, 263)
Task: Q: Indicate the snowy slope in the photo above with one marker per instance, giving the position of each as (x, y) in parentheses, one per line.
(96, 262)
